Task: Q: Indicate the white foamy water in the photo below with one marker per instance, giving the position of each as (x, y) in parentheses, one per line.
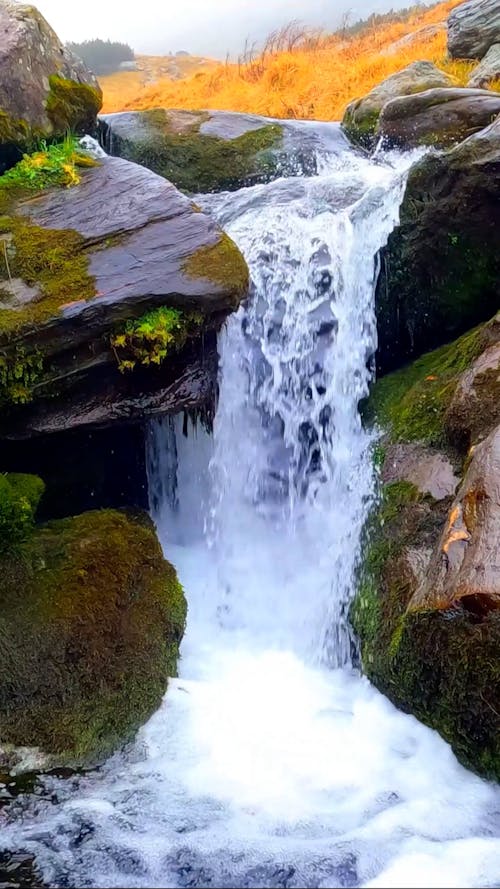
(272, 761)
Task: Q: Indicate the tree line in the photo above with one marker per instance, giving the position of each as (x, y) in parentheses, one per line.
(102, 56)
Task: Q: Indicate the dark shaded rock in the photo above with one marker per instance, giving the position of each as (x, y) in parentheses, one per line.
(488, 69)
(473, 28)
(440, 269)
(18, 869)
(44, 89)
(136, 244)
(91, 621)
(361, 116)
(438, 117)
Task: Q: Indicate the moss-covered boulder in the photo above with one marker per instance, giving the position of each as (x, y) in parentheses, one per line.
(44, 89)
(427, 611)
(91, 618)
(437, 117)
(361, 116)
(199, 151)
(138, 276)
(440, 269)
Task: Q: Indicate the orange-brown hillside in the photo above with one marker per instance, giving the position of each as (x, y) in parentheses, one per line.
(300, 75)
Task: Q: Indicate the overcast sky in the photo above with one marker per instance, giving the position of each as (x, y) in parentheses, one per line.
(203, 27)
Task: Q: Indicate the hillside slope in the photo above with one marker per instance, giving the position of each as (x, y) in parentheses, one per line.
(304, 77)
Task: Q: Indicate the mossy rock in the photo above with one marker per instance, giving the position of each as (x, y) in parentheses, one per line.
(91, 619)
(440, 269)
(440, 666)
(175, 145)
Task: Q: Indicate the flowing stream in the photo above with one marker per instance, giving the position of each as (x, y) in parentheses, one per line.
(272, 761)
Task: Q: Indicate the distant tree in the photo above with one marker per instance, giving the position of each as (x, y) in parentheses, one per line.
(102, 56)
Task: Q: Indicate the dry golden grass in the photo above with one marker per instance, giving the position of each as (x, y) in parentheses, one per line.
(312, 77)
(120, 86)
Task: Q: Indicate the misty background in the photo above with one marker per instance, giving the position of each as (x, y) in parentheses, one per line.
(202, 27)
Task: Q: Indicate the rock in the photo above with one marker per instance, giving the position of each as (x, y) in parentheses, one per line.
(474, 409)
(473, 28)
(440, 269)
(210, 151)
(437, 117)
(424, 468)
(439, 665)
(422, 35)
(136, 245)
(465, 567)
(488, 70)
(19, 869)
(92, 616)
(361, 116)
(44, 89)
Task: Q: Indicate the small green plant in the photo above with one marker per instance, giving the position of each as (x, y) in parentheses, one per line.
(149, 339)
(18, 374)
(53, 165)
(19, 498)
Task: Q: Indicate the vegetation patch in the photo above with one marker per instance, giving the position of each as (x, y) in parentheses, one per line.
(90, 623)
(19, 499)
(150, 339)
(223, 264)
(411, 403)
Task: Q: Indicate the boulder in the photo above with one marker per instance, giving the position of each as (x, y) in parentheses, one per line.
(488, 69)
(90, 623)
(438, 117)
(473, 28)
(440, 268)
(210, 151)
(422, 35)
(361, 116)
(72, 300)
(428, 470)
(474, 409)
(44, 89)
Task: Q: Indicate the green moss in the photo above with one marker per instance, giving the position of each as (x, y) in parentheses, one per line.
(13, 131)
(90, 624)
(72, 106)
(148, 340)
(19, 499)
(51, 260)
(360, 125)
(223, 264)
(442, 666)
(56, 165)
(411, 403)
(196, 162)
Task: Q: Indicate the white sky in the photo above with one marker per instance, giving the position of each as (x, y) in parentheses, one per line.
(204, 27)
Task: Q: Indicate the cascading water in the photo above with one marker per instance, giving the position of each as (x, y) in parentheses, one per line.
(272, 762)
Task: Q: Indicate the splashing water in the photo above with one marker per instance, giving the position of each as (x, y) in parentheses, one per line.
(272, 762)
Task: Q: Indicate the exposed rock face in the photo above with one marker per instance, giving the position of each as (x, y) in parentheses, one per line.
(438, 117)
(44, 89)
(428, 607)
(91, 621)
(473, 28)
(488, 70)
(136, 243)
(361, 116)
(474, 409)
(441, 265)
(465, 567)
(209, 151)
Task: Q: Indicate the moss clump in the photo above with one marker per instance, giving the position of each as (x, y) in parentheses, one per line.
(51, 260)
(72, 106)
(150, 339)
(440, 666)
(19, 499)
(196, 162)
(360, 126)
(90, 623)
(411, 403)
(223, 264)
(56, 165)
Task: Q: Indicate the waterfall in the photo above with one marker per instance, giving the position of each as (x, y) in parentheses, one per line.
(272, 762)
